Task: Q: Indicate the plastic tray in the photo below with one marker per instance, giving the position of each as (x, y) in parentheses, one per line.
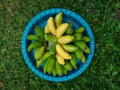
(41, 19)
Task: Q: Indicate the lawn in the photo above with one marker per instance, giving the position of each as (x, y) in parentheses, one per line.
(104, 19)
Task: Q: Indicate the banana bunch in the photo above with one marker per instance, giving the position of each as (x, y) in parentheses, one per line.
(58, 46)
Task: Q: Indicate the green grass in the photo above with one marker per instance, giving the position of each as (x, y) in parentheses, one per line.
(102, 15)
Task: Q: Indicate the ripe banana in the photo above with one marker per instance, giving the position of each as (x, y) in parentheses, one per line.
(42, 59)
(58, 19)
(65, 39)
(61, 29)
(50, 38)
(39, 52)
(46, 64)
(69, 30)
(67, 66)
(60, 59)
(62, 52)
(77, 37)
(51, 64)
(39, 31)
(53, 48)
(73, 61)
(59, 69)
(69, 47)
(51, 25)
(79, 54)
(82, 45)
(86, 39)
(32, 37)
(34, 45)
(80, 30)
(46, 30)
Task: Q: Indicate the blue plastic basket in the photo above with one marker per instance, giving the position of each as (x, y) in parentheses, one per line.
(40, 20)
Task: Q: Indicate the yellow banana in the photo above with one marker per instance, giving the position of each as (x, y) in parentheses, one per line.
(62, 52)
(60, 59)
(46, 30)
(65, 39)
(51, 25)
(61, 29)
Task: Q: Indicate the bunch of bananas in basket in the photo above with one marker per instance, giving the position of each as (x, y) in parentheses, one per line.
(58, 46)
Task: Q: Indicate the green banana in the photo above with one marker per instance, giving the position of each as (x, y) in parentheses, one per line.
(83, 59)
(53, 48)
(73, 61)
(54, 72)
(67, 66)
(39, 52)
(87, 50)
(50, 38)
(42, 59)
(59, 69)
(82, 45)
(69, 30)
(58, 19)
(39, 31)
(86, 39)
(80, 30)
(77, 37)
(69, 47)
(32, 37)
(51, 65)
(46, 64)
(65, 71)
(79, 54)
(34, 45)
